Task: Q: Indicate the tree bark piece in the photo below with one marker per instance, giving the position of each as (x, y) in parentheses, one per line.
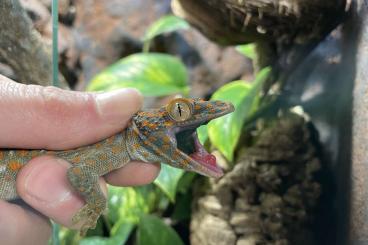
(21, 46)
(243, 21)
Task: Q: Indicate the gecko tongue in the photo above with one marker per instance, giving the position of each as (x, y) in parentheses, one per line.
(201, 155)
(206, 158)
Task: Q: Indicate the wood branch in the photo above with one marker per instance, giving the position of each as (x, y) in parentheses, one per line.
(242, 21)
(21, 47)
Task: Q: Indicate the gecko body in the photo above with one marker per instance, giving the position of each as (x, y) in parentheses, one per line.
(166, 135)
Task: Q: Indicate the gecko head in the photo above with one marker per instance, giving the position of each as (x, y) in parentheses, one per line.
(169, 133)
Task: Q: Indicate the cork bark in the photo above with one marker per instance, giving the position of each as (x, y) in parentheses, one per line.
(242, 21)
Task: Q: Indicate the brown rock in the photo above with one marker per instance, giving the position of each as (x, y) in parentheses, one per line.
(213, 231)
(250, 240)
(266, 205)
(211, 204)
(246, 223)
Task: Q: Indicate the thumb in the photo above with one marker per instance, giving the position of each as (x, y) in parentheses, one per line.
(51, 118)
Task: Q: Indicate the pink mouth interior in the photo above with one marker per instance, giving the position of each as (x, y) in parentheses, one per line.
(205, 158)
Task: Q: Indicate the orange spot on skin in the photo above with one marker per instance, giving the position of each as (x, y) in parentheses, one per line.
(197, 107)
(14, 166)
(77, 171)
(22, 153)
(116, 149)
(76, 159)
(147, 114)
(176, 156)
(165, 147)
(34, 153)
(152, 138)
(102, 157)
(136, 146)
(90, 162)
(168, 123)
(111, 139)
(166, 140)
(183, 162)
(152, 126)
(98, 145)
(1, 155)
(50, 153)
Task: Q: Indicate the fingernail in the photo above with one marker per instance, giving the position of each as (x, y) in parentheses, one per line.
(47, 182)
(118, 104)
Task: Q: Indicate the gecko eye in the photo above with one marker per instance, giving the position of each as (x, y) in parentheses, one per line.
(180, 109)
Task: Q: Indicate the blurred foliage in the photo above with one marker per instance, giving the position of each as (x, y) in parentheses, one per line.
(131, 208)
(168, 180)
(153, 231)
(152, 74)
(165, 24)
(119, 235)
(248, 50)
(129, 203)
(225, 131)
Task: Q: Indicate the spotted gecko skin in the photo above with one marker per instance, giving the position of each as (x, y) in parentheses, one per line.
(149, 137)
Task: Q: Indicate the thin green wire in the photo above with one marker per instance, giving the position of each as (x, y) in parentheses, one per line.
(55, 55)
(55, 81)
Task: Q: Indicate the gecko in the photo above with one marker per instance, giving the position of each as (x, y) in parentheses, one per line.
(165, 135)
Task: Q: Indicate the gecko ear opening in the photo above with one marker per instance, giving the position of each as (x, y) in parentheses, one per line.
(180, 109)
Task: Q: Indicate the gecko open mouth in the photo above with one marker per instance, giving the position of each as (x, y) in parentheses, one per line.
(188, 143)
(171, 136)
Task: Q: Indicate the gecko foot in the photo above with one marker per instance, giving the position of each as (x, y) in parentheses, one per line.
(88, 216)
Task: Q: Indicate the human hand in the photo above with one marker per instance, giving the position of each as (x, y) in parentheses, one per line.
(34, 117)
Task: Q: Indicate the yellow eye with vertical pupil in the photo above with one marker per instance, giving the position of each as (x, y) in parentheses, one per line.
(179, 109)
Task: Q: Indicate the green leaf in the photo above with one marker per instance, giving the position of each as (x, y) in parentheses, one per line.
(202, 133)
(185, 182)
(183, 207)
(152, 74)
(165, 24)
(225, 131)
(168, 180)
(68, 236)
(153, 231)
(248, 50)
(130, 203)
(119, 236)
